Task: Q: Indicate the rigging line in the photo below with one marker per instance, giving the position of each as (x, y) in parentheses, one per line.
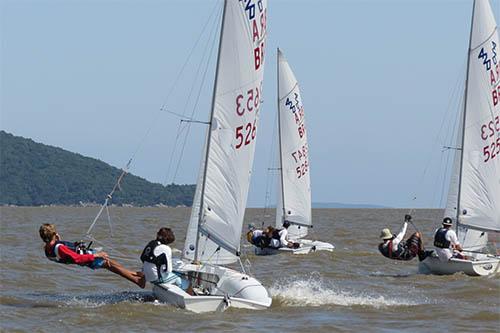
(109, 222)
(93, 239)
(443, 185)
(197, 99)
(201, 33)
(451, 137)
(437, 182)
(456, 89)
(270, 174)
(171, 160)
(242, 267)
(183, 117)
(175, 84)
(109, 196)
(454, 137)
(181, 128)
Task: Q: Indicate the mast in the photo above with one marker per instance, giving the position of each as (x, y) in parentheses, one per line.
(279, 137)
(464, 117)
(202, 194)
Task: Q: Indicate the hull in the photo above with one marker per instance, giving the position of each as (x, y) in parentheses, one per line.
(216, 289)
(306, 246)
(481, 265)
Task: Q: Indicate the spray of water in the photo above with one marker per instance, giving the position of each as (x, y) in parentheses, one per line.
(316, 291)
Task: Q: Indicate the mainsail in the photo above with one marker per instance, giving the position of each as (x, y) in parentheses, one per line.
(216, 221)
(479, 186)
(473, 240)
(294, 185)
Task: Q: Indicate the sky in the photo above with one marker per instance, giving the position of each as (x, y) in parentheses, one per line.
(381, 83)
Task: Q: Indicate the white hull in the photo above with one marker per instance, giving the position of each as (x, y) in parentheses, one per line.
(306, 246)
(217, 289)
(481, 265)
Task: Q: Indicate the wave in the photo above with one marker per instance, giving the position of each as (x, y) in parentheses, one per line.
(315, 291)
(84, 301)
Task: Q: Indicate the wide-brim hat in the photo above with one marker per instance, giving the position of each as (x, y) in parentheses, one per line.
(386, 234)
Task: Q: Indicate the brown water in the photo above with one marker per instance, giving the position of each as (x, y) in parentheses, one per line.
(352, 289)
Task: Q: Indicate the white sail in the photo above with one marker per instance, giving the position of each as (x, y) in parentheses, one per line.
(222, 187)
(479, 201)
(294, 203)
(473, 240)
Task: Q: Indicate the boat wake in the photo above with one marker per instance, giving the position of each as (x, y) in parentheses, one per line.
(400, 275)
(92, 300)
(315, 291)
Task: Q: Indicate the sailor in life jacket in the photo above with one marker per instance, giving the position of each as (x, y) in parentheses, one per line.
(157, 260)
(446, 242)
(77, 253)
(279, 237)
(393, 246)
(258, 238)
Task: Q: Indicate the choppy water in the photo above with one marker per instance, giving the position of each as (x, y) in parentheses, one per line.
(352, 289)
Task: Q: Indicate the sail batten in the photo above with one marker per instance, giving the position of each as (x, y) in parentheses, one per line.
(216, 221)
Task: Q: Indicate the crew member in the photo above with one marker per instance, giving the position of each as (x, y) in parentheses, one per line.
(446, 242)
(281, 237)
(76, 253)
(157, 260)
(258, 238)
(393, 246)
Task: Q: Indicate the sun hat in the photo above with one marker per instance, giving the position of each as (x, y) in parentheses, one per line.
(386, 234)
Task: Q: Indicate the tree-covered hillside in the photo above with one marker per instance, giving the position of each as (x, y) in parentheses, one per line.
(33, 174)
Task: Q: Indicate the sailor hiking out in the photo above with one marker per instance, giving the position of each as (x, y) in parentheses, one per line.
(394, 247)
(271, 237)
(258, 238)
(64, 252)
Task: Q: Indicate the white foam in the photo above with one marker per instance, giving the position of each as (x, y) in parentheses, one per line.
(314, 291)
(96, 301)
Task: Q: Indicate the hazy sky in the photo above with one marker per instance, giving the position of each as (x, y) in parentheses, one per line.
(381, 83)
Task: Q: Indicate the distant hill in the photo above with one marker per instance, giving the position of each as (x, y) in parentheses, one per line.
(343, 205)
(34, 174)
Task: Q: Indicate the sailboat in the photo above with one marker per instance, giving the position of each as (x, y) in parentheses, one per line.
(474, 194)
(214, 231)
(294, 185)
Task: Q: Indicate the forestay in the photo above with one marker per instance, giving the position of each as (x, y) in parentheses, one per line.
(479, 198)
(294, 187)
(222, 186)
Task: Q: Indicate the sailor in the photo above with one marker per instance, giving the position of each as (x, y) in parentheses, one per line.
(157, 260)
(272, 238)
(77, 253)
(393, 246)
(281, 237)
(446, 242)
(258, 238)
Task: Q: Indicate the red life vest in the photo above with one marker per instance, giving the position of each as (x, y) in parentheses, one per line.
(52, 252)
